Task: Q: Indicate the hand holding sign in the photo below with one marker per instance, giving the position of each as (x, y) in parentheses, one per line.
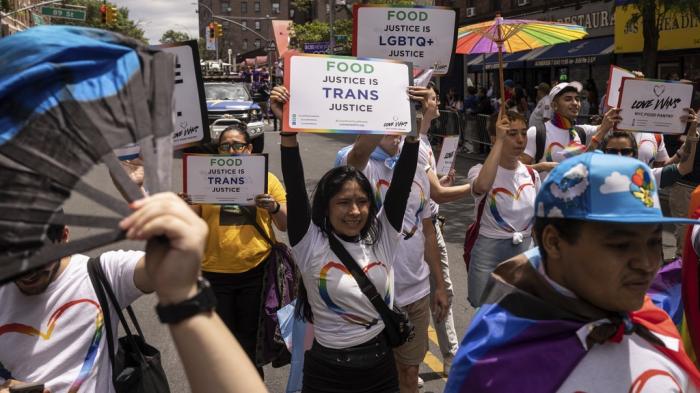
(334, 94)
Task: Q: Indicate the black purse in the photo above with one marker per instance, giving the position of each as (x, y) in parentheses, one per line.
(398, 329)
(136, 368)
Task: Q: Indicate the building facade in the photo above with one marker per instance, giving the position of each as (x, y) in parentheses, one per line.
(21, 20)
(253, 27)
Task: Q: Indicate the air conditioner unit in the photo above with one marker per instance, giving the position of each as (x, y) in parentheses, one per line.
(523, 2)
(471, 11)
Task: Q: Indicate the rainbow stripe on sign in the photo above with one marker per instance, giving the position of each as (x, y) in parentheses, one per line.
(289, 119)
(90, 356)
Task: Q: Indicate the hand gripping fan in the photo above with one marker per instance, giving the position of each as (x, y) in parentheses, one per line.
(68, 97)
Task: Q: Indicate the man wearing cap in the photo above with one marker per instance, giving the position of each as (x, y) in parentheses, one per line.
(572, 314)
(543, 110)
(561, 137)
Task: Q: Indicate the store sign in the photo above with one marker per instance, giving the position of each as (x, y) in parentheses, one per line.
(678, 31)
(598, 18)
(566, 61)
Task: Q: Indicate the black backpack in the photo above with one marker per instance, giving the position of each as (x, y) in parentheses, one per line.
(541, 137)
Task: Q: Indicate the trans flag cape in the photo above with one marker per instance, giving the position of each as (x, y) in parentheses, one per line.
(525, 337)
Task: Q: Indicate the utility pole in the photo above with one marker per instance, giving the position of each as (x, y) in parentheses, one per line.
(331, 21)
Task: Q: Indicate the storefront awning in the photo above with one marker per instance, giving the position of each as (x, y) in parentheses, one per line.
(587, 51)
(476, 63)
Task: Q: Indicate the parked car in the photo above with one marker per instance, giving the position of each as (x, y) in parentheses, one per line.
(227, 101)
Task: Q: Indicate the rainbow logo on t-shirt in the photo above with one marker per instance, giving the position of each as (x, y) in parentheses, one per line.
(493, 208)
(325, 295)
(407, 234)
(91, 355)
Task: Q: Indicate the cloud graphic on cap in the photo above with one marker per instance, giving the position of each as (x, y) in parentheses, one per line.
(555, 212)
(572, 185)
(540, 210)
(616, 182)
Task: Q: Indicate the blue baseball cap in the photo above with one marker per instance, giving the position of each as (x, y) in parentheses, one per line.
(602, 187)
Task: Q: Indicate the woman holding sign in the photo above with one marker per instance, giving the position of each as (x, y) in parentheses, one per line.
(351, 352)
(239, 245)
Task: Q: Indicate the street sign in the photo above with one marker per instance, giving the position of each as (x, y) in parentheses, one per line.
(63, 13)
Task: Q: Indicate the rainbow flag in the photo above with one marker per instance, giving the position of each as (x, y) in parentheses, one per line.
(525, 337)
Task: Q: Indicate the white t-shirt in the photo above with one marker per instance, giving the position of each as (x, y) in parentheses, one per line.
(649, 149)
(510, 206)
(633, 365)
(48, 337)
(426, 156)
(559, 143)
(542, 110)
(411, 276)
(341, 311)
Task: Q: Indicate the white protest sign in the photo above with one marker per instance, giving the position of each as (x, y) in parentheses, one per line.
(653, 106)
(615, 83)
(424, 36)
(190, 117)
(448, 154)
(224, 179)
(337, 94)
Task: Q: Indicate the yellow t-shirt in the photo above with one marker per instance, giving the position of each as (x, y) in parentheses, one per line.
(234, 245)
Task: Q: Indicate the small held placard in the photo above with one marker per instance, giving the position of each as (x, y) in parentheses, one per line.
(339, 94)
(224, 179)
(448, 154)
(653, 106)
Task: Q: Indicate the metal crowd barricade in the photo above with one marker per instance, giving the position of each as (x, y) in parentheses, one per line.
(449, 123)
(475, 129)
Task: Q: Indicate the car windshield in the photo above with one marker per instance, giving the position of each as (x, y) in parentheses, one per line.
(226, 92)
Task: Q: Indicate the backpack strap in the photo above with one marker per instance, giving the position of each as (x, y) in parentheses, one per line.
(531, 172)
(254, 222)
(106, 295)
(581, 134)
(540, 139)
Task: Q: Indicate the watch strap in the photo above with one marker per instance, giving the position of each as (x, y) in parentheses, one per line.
(203, 301)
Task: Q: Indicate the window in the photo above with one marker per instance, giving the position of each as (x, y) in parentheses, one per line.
(275, 8)
(225, 7)
(257, 42)
(244, 25)
(245, 44)
(257, 6)
(257, 25)
(244, 7)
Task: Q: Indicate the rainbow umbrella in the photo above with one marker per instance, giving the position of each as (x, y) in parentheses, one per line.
(513, 35)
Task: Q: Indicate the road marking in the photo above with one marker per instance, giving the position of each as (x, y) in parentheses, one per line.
(432, 361)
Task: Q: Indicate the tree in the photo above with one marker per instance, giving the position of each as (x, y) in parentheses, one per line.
(653, 15)
(316, 31)
(172, 36)
(123, 26)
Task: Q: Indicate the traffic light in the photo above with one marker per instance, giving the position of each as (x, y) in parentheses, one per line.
(219, 30)
(103, 12)
(111, 15)
(211, 33)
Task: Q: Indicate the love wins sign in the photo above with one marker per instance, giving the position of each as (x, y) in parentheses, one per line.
(654, 106)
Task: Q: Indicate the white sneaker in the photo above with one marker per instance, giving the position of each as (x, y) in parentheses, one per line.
(420, 382)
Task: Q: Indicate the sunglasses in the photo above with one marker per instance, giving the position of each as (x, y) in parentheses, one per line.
(236, 146)
(625, 151)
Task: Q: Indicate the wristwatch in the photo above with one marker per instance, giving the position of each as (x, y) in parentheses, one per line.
(203, 301)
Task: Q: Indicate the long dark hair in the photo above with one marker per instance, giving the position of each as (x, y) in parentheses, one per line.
(330, 184)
